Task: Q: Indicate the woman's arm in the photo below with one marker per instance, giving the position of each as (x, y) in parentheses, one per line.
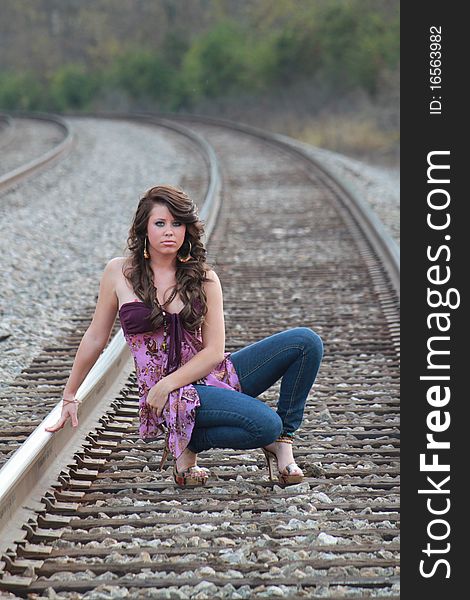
(202, 363)
(93, 342)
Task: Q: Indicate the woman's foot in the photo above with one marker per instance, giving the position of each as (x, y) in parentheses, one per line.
(185, 460)
(186, 472)
(281, 449)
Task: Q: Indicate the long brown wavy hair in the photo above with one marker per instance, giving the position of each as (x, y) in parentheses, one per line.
(189, 275)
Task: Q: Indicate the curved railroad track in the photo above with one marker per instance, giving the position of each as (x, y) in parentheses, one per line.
(289, 251)
(29, 153)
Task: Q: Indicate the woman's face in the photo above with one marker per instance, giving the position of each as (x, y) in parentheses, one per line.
(165, 233)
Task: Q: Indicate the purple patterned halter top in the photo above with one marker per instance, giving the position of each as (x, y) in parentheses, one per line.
(152, 363)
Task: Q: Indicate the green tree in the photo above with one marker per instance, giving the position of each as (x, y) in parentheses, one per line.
(357, 43)
(175, 45)
(142, 74)
(72, 87)
(218, 63)
(296, 54)
(20, 91)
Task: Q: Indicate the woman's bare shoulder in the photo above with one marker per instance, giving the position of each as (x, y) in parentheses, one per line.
(116, 263)
(114, 267)
(212, 275)
(209, 287)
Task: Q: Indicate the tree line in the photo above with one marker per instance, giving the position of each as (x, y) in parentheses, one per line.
(342, 44)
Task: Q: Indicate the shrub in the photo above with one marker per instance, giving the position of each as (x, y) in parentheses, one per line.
(142, 74)
(20, 91)
(72, 87)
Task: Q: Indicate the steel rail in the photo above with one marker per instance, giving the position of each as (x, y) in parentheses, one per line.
(13, 177)
(368, 221)
(28, 472)
(212, 200)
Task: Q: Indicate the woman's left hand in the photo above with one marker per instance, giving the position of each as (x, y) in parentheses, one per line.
(158, 396)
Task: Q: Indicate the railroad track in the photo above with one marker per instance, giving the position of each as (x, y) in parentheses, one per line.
(289, 251)
(10, 135)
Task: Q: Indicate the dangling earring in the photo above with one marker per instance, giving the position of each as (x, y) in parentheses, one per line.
(146, 254)
(188, 257)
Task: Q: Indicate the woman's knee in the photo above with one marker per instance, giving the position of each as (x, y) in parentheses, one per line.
(270, 428)
(309, 340)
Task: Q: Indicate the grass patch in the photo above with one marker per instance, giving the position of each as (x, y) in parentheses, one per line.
(360, 138)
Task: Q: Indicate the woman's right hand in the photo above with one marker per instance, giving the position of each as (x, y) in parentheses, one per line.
(69, 409)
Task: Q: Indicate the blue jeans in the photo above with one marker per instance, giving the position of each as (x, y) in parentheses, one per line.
(238, 420)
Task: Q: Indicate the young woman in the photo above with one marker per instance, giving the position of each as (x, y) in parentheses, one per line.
(170, 306)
